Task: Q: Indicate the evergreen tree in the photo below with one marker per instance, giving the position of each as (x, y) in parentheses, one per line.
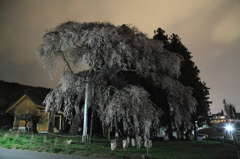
(189, 75)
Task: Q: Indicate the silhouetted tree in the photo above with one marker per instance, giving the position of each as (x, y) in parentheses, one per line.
(189, 76)
(230, 110)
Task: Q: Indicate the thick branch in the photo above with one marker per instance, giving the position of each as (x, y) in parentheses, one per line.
(64, 58)
(119, 70)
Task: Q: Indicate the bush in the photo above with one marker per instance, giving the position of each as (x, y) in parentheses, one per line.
(3, 141)
(56, 149)
(7, 146)
(18, 147)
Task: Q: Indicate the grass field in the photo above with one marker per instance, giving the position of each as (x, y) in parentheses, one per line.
(160, 149)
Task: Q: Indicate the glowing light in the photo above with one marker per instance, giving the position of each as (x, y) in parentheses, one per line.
(229, 128)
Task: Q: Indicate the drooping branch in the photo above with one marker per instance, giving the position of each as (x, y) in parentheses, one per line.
(109, 50)
(103, 46)
(129, 105)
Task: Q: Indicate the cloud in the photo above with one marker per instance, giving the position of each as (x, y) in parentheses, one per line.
(227, 31)
(226, 27)
(209, 29)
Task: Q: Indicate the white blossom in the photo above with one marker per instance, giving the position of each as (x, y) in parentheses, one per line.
(103, 50)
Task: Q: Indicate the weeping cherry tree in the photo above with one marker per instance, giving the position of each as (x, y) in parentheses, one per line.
(109, 54)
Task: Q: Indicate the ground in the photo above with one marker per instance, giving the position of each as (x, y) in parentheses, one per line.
(100, 147)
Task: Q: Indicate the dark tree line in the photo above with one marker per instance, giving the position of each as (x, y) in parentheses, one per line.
(189, 77)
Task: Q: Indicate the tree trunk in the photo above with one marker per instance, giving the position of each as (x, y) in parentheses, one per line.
(84, 137)
(108, 133)
(34, 125)
(182, 133)
(51, 121)
(26, 122)
(195, 130)
(75, 124)
(116, 128)
(188, 132)
(77, 118)
(170, 131)
(103, 129)
(91, 127)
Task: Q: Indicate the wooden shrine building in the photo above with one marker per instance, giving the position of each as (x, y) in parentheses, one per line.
(29, 115)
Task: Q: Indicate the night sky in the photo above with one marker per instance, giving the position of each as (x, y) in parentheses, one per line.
(209, 29)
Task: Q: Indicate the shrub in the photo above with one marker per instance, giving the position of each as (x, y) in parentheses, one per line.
(7, 146)
(56, 149)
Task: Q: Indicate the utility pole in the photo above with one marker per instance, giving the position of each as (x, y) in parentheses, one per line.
(84, 137)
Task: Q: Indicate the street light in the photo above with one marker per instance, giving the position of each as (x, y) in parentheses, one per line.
(229, 128)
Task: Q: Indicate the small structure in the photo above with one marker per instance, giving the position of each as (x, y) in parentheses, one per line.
(29, 115)
(133, 142)
(113, 144)
(125, 144)
(201, 137)
(219, 118)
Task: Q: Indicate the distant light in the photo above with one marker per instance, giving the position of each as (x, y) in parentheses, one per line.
(229, 128)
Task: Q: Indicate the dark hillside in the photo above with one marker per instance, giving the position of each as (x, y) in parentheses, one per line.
(10, 92)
